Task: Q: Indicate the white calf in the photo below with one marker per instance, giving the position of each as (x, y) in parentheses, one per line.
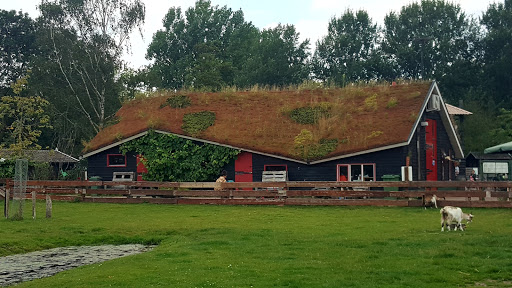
(455, 215)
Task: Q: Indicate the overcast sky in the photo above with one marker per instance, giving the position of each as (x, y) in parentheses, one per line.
(310, 17)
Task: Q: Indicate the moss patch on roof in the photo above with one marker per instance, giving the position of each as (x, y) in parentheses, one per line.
(350, 119)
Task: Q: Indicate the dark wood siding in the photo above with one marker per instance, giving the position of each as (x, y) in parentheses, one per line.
(97, 164)
(414, 150)
(386, 162)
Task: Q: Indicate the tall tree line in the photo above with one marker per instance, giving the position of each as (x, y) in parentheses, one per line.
(209, 47)
(71, 57)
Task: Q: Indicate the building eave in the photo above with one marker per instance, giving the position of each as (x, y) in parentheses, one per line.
(189, 138)
(361, 152)
(114, 144)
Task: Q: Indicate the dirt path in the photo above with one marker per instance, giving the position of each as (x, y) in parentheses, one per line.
(25, 267)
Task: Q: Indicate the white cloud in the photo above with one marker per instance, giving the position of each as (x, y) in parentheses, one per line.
(312, 30)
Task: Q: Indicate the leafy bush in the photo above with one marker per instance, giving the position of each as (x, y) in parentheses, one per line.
(77, 172)
(36, 170)
(178, 101)
(171, 158)
(7, 168)
(41, 171)
(195, 123)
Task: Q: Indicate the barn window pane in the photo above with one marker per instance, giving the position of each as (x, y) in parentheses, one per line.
(343, 173)
(368, 172)
(116, 160)
(355, 172)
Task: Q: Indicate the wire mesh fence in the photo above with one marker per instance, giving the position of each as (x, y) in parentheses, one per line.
(19, 190)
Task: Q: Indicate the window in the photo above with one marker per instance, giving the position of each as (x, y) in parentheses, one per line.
(494, 171)
(356, 172)
(434, 104)
(275, 168)
(116, 160)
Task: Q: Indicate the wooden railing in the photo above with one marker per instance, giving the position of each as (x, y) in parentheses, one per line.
(455, 193)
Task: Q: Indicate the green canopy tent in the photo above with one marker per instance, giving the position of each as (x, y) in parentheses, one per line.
(505, 147)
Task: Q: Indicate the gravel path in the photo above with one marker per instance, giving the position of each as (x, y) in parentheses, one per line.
(25, 267)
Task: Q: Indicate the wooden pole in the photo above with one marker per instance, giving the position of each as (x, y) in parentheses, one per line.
(6, 207)
(33, 204)
(48, 206)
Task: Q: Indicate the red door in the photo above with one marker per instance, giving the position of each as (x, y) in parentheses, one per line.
(141, 169)
(243, 167)
(431, 149)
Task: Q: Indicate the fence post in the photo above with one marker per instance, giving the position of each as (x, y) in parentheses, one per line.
(48, 206)
(33, 204)
(6, 207)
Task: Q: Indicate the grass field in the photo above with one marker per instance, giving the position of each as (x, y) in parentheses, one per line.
(246, 246)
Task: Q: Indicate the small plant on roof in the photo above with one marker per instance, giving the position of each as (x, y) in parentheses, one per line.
(141, 114)
(324, 147)
(375, 134)
(119, 136)
(310, 114)
(195, 123)
(307, 149)
(302, 143)
(154, 123)
(177, 101)
(392, 102)
(414, 94)
(112, 121)
(413, 116)
(370, 103)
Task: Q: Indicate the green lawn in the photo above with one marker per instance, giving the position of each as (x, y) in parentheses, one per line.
(253, 246)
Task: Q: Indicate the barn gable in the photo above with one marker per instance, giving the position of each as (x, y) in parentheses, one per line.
(435, 102)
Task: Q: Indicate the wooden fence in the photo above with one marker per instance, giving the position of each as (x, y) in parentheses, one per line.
(455, 193)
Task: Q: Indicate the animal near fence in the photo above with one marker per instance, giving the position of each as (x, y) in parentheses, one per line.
(385, 193)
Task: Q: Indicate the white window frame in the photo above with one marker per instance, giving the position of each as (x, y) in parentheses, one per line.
(349, 168)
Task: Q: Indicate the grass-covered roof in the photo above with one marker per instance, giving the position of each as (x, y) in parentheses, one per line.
(302, 124)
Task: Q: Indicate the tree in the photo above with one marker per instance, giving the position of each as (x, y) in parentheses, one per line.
(209, 47)
(209, 72)
(17, 37)
(76, 71)
(195, 49)
(242, 49)
(280, 58)
(477, 127)
(498, 52)
(24, 117)
(503, 132)
(134, 82)
(349, 51)
(428, 39)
